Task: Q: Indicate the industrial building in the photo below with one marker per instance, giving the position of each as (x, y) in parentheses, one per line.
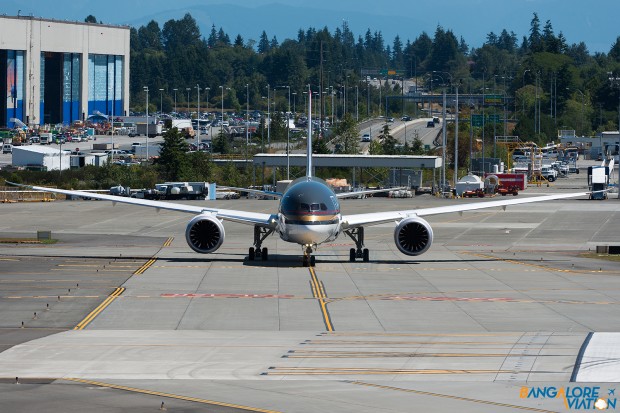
(60, 71)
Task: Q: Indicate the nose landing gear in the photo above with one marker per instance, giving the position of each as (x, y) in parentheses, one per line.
(308, 260)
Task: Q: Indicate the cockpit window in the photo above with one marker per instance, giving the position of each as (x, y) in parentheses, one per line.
(304, 207)
(314, 207)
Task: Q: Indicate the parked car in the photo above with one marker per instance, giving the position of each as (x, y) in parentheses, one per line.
(7, 148)
(430, 124)
(366, 137)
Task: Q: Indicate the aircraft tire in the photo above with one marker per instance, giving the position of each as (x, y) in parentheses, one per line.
(265, 254)
(251, 254)
(366, 255)
(312, 261)
(352, 255)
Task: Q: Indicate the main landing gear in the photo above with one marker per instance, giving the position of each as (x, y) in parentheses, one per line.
(357, 235)
(308, 260)
(260, 233)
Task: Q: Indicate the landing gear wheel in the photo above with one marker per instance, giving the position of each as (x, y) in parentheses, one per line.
(352, 255)
(251, 254)
(304, 261)
(366, 255)
(312, 261)
(265, 254)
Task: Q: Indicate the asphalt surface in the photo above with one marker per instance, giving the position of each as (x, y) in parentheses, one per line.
(128, 317)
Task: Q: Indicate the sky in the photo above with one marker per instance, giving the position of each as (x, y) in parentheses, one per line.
(593, 22)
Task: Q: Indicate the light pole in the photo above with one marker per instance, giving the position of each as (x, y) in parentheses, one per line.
(268, 118)
(582, 109)
(222, 113)
(288, 134)
(188, 114)
(615, 81)
(294, 103)
(357, 103)
(146, 89)
(222, 124)
(207, 104)
(523, 87)
(247, 122)
(161, 101)
(198, 115)
(175, 100)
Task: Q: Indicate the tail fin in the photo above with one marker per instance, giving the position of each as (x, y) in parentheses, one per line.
(309, 140)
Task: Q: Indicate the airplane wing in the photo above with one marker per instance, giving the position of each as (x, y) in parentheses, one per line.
(243, 217)
(374, 218)
(366, 192)
(253, 191)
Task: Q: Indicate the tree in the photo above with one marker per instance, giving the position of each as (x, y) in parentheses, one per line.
(347, 135)
(221, 144)
(172, 162)
(263, 43)
(90, 19)
(320, 146)
(388, 142)
(535, 39)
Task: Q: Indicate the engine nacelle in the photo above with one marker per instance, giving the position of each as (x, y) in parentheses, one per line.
(413, 236)
(204, 234)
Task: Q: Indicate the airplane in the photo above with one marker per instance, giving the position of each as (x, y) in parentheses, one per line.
(309, 214)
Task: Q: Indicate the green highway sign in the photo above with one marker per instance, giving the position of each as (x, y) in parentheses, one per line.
(476, 120)
(391, 72)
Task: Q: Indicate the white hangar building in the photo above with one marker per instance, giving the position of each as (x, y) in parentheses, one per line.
(59, 71)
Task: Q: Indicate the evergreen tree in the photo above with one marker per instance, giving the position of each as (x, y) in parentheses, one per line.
(172, 162)
(90, 19)
(347, 135)
(212, 41)
(535, 40)
(263, 43)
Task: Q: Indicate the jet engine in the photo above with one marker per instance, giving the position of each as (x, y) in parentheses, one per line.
(204, 234)
(413, 236)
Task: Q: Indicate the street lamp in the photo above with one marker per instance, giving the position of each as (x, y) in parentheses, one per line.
(146, 89)
(175, 100)
(198, 115)
(161, 101)
(288, 134)
(582, 109)
(268, 118)
(207, 105)
(247, 121)
(188, 114)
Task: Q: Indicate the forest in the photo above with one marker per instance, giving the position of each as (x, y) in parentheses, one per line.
(552, 84)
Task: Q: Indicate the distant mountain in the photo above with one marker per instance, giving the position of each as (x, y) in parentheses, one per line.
(593, 23)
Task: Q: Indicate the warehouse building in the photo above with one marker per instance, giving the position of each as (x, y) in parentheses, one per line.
(59, 71)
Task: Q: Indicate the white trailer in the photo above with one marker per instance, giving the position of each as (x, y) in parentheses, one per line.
(41, 157)
(155, 129)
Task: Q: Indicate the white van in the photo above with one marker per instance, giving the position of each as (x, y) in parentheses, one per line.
(7, 148)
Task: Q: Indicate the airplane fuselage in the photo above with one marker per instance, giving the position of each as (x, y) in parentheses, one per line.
(309, 213)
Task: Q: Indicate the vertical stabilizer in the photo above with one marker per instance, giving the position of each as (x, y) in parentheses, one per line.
(309, 140)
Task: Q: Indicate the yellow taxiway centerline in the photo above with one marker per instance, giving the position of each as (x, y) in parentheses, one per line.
(90, 317)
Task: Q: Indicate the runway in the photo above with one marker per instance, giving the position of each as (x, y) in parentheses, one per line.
(502, 301)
